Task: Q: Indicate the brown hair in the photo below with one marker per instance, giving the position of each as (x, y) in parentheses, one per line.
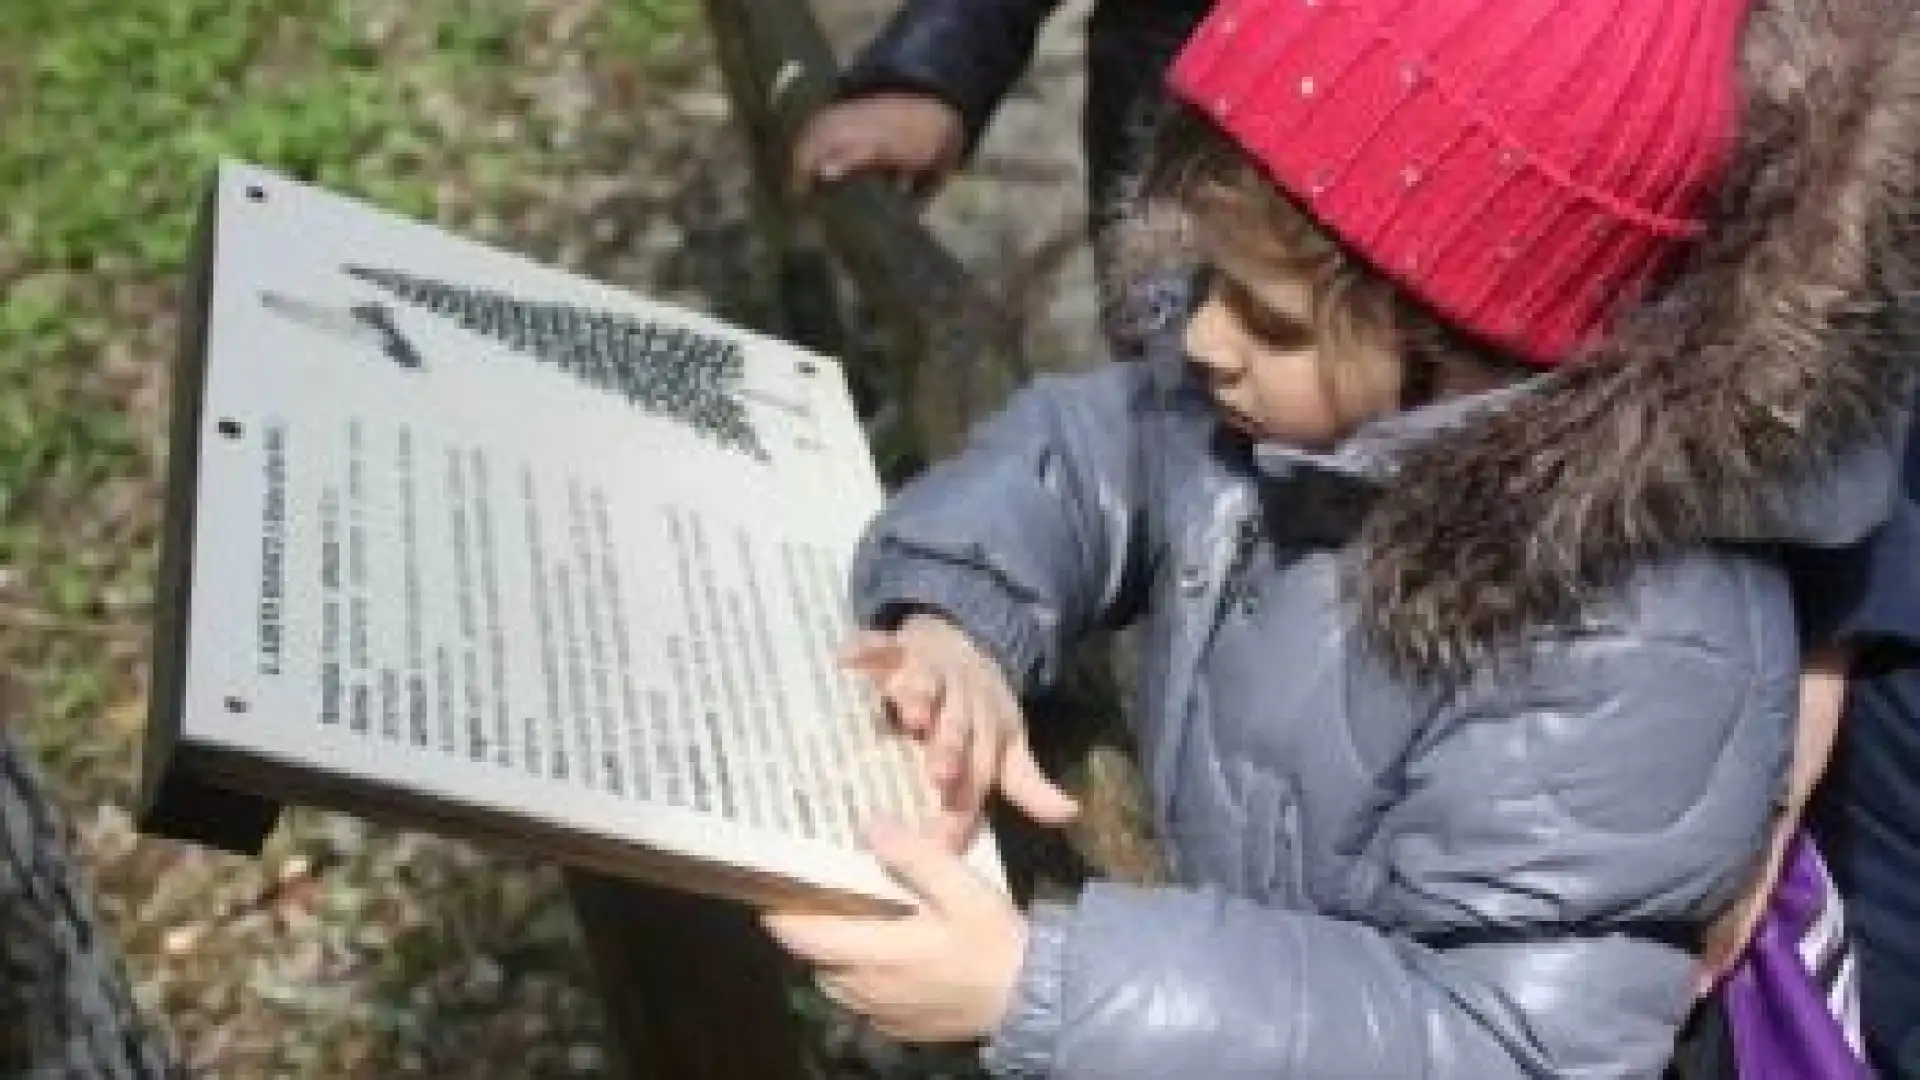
(1376, 342)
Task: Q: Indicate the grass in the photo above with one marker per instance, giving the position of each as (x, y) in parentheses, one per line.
(129, 102)
(128, 105)
(344, 951)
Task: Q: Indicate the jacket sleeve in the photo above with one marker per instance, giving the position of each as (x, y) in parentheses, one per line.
(1028, 538)
(1547, 855)
(967, 53)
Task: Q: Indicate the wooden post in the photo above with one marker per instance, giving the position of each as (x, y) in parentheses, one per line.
(692, 987)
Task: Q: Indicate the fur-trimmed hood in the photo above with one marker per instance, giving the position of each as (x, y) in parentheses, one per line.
(1776, 351)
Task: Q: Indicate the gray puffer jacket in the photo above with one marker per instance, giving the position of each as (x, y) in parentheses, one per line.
(1379, 877)
(1458, 735)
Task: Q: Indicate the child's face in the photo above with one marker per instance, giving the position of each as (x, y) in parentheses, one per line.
(1255, 340)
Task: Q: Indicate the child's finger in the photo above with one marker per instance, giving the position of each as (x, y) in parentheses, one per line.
(1029, 790)
(939, 879)
(947, 745)
(837, 941)
(871, 652)
(963, 797)
(955, 828)
(983, 758)
(915, 694)
(960, 812)
(910, 690)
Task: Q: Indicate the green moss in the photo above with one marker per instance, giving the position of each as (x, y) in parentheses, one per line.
(131, 103)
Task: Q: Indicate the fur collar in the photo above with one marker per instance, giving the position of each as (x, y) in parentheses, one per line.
(1775, 351)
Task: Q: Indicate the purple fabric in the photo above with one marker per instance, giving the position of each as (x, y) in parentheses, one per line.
(1782, 1025)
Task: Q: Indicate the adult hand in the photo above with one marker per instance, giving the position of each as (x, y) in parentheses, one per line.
(955, 699)
(1727, 939)
(1823, 691)
(915, 139)
(945, 973)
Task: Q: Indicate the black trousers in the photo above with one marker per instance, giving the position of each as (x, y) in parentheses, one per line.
(1704, 1048)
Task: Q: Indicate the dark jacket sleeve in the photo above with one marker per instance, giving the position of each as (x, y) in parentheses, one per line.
(1032, 535)
(1868, 594)
(1555, 840)
(967, 53)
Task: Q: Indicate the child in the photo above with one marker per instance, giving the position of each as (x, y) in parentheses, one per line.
(917, 98)
(1466, 692)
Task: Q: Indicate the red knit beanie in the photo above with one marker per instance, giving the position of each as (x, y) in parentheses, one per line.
(1525, 167)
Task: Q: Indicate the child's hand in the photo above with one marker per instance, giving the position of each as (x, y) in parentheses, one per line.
(1727, 939)
(946, 973)
(1823, 692)
(946, 692)
(913, 138)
